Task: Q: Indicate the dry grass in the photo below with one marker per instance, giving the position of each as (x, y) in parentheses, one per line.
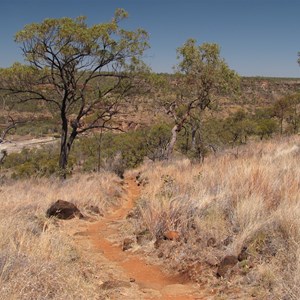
(37, 259)
(252, 201)
(247, 201)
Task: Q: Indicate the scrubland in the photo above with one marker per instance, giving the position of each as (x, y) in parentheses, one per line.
(241, 203)
(38, 260)
(244, 204)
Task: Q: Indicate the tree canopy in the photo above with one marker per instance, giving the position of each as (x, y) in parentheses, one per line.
(81, 71)
(202, 76)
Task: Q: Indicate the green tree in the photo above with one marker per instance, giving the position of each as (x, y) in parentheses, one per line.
(281, 110)
(156, 141)
(202, 76)
(293, 118)
(265, 127)
(265, 123)
(81, 72)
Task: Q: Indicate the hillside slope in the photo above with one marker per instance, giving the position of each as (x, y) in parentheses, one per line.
(236, 217)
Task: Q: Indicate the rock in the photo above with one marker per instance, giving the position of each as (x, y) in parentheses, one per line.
(94, 210)
(130, 215)
(228, 241)
(198, 240)
(138, 176)
(227, 263)
(133, 214)
(140, 239)
(127, 244)
(211, 260)
(112, 284)
(158, 243)
(140, 180)
(171, 235)
(244, 254)
(63, 210)
(211, 242)
(143, 237)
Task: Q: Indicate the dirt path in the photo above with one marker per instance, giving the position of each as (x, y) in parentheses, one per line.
(150, 281)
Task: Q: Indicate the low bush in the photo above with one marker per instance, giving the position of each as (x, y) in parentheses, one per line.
(34, 163)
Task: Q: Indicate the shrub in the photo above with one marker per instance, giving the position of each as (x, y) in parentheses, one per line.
(37, 163)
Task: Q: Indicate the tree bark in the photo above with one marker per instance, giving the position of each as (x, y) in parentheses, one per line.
(65, 145)
(63, 157)
(99, 150)
(281, 126)
(3, 155)
(173, 140)
(194, 131)
(177, 127)
(64, 154)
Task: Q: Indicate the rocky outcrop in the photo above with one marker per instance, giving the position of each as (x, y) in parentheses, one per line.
(63, 210)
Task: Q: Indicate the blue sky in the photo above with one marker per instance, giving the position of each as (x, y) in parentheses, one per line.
(257, 37)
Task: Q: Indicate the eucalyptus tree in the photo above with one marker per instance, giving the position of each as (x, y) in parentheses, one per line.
(202, 76)
(81, 72)
(287, 109)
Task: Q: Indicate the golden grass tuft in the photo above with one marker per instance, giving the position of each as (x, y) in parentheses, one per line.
(37, 259)
(251, 200)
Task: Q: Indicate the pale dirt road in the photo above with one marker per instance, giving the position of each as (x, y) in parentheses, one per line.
(17, 146)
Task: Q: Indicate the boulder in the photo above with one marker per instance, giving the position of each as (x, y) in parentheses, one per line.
(63, 210)
(171, 235)
(227, 263)
(92, 209)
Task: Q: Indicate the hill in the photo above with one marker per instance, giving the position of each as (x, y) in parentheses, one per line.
(229, 226)
(255, 92)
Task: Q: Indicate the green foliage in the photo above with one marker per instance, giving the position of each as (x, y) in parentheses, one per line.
(202, 75)
(79, 72)
(128, 147)
(200, 138)
(33, 163)
(114, 152)
(287, 109)
(71, 38)
(38, 128)
(122, 151)
(265, 128)
(157, 140)
(205, 72)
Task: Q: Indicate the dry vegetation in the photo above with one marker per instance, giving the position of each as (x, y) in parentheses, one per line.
(37, 259)
(246, 205)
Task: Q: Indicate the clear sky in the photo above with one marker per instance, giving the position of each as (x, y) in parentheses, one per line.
(257, 37)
